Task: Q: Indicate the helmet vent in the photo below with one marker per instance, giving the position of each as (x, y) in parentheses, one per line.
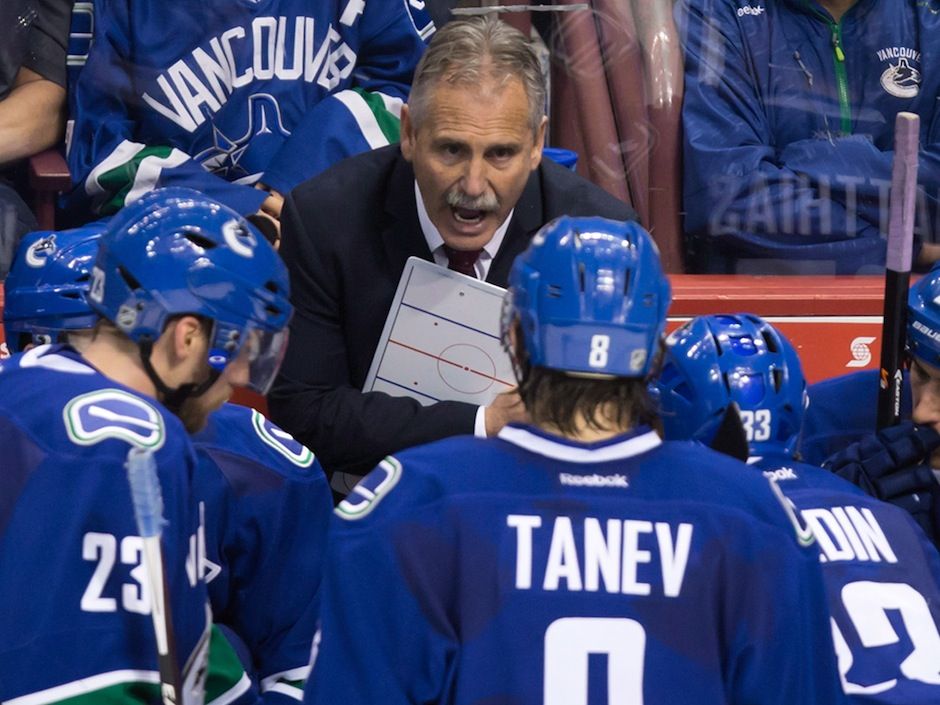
(272, 287)
(84, 278)
(71, 295)
(778, 378)
(770, 341)
(200, 241)
(129, 279)
(272, 310)
(724, 378)
(581, 276)
(717, 343)
(554, 291)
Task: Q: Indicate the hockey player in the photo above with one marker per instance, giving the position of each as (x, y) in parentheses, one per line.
(263, 497)
(224, 96)
(895, 464)
(579, 559)
(876, 562)
(192, 303)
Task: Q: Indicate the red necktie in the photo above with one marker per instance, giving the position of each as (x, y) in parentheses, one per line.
(462, 260)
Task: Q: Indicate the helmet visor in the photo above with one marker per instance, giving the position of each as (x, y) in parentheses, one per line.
(261, 351)
(265, 350)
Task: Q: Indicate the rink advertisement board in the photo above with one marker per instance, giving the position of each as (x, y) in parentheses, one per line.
(835, 322)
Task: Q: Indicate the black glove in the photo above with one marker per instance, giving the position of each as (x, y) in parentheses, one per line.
(891, 465)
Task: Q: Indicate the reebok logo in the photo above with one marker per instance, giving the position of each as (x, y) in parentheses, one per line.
(748, 10)
(780, 474)
(619, 481)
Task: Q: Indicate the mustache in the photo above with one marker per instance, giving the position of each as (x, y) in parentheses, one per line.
(484, 202)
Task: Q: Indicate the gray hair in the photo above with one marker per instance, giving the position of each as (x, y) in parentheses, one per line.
(466, 51)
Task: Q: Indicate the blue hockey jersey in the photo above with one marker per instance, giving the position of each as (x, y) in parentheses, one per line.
(217, 95)
(531, 569)
(883, 580)
(75, 605)
(843, 410)
(266, 506)
(788, 120)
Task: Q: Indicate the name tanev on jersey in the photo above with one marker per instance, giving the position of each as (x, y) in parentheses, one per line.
(197, 86)
(609, 557)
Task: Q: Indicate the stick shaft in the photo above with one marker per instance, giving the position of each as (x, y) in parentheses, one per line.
(898, 266)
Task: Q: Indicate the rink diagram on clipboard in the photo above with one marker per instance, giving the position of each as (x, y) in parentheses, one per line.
(441, 341)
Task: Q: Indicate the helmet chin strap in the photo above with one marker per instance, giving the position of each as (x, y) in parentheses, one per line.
(173, 398)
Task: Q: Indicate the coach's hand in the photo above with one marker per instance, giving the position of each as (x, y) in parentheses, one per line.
(891, 465)
(505, 408)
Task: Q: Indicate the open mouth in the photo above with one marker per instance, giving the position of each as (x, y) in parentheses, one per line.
(468, 215)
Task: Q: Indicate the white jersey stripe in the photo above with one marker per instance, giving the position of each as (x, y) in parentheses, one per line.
(85, 686)
(233, 693)
(392, 104)
(562, 451)
(122, 154)
(368, 125)
(149, 172)
(295, 674)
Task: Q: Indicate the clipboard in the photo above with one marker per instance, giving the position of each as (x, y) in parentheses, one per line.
(441, 339)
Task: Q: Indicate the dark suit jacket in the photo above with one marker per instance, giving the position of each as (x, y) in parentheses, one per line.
(346, 236)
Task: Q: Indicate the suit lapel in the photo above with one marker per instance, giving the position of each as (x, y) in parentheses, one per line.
(527, 218)
(402, 237)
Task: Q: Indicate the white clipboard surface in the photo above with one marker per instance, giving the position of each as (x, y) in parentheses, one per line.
(441, 339)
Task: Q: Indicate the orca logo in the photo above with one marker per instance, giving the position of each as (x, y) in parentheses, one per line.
(281, 441)
(861, 353)
(112, 413)
(365, 496)
(39, 252)
(901, 80)
(239, 238)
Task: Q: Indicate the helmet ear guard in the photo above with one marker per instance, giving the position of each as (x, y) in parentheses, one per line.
(590, 298)
(713, 362)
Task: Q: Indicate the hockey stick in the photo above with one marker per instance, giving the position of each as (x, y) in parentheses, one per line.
(148, 511)
(898, 266)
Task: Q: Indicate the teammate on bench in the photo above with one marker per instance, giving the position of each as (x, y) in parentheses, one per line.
(512, 568)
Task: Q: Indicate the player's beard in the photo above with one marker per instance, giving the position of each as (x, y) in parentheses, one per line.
(193, 414)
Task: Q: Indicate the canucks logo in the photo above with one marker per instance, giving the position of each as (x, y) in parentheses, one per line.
(281, 441)
(40, 251)
(227, 155)
(113, 413)
(901, 79)
(365, 496)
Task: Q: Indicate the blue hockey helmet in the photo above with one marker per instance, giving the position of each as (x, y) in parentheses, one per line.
(923, 318)
(176, 252)
(713, 361)
(590, 297)
(45, 291)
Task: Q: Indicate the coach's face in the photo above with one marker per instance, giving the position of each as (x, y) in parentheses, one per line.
(925, 392)
(472, 155)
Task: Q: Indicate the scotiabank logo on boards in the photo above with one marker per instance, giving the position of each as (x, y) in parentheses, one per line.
(861, 351)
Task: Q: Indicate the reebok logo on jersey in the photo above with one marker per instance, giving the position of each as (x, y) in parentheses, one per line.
(618, 481)
(748, 10)
(780, 474)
